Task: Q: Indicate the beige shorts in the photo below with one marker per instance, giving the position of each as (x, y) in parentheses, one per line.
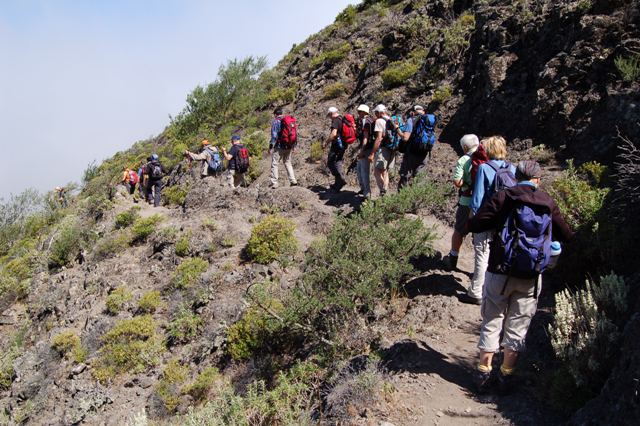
(385, 159)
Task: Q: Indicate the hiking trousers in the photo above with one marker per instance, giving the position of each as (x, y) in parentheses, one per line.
(481, 245)
(364, 175)
(235, 179)
(285, 156)
(154, 191)
(507, 310)
(412, 164)
(335, 164)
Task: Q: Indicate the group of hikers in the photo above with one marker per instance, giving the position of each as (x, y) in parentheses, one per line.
(517, 227)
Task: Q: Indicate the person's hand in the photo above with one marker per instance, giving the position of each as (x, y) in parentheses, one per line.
(371, 158)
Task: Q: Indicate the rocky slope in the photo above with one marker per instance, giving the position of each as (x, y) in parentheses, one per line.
(537, 72)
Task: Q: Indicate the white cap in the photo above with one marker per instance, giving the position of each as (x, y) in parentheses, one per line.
(332, 110)
(363, 108)
(418, 108)
(380, 108)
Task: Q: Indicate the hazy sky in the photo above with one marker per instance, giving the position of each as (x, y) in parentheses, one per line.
(81, 80)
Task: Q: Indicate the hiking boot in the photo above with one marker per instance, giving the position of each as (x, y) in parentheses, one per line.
(465, 298)
(505, 382)
(450, 262)
(482, 381)
(383, 193)
(293, 184)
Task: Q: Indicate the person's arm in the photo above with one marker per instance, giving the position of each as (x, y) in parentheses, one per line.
(332, 137)
(490, 216)
(478, 190)
(202, 156)
(226, 155)
(458, 174)
(365, 140)
(376, 145)
(275, 130)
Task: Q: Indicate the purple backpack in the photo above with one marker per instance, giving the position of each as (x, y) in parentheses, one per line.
(504, 178)
(526, 239)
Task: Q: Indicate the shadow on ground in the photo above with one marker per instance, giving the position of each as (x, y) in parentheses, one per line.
(337, 199)
(443, 284)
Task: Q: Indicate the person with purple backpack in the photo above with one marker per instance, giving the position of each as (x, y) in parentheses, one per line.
(492, 176)
(526, 219)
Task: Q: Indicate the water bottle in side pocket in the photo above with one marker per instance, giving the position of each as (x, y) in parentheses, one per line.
(555, 251)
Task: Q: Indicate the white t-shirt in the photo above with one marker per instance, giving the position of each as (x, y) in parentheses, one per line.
(381, 125)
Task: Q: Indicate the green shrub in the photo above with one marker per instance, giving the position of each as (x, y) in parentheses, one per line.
(248, 335)
(117, 299)
(332, 56)
(202, 384)
(8, 354)
(399, 72)
(183, 246)
(334, 90)
(597, 174)
(456, 36)
(111, 245)
(188, 272)
(126, 218)
(347, 16)
(585, 335)
(289, 402)
(629, 67)
(68, 240)
(272, 239)
(184, 327)
(316, 152)
(68, 345)
(168, 387)
(132, 345)
(282, 95)
(541, 153)
(176, 194)
(143, 227)
(150, 302)
(380, 9)
(441, 94)
(584, 5)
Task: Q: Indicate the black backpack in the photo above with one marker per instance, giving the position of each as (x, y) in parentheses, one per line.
(155, 170)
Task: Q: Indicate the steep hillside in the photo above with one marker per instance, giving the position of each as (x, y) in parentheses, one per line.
(118, 313)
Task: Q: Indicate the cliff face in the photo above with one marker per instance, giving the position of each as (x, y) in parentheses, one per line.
(540, 72)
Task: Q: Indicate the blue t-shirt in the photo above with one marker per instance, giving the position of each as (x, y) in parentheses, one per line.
(484, 181)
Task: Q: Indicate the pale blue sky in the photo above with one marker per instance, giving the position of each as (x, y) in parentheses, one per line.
(80, 80)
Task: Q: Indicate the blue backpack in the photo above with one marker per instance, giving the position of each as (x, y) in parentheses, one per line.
(526, 241)
(391, 138)
(423, 137)
(504, 178)
(214, 162)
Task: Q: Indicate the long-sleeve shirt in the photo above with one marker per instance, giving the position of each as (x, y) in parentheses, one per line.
(275, 131)
(204, 156)
(484, 181)
(494, 213)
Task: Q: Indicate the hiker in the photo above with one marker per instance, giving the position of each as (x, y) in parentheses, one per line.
(142, 181)
(211, 161)
(61, 196)
(462, 181)
(154, 173)
(238, 158)
(485, 185)
(282, 145)
(364, 130)
(340, 132)
(383, 149)
(126, 180)
(420, 137)
(525, 218)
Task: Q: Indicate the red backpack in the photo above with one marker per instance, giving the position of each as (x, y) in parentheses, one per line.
(478, 157)
(348, 133)
(288, 135)
(133, 177)
(242, 159)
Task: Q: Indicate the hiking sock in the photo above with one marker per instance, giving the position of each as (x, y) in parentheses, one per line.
(506, 371)
(484, 368)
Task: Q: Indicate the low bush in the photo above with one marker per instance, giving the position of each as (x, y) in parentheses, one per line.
(288, 402)
(441, 94)
(272, 239)
(149, 302)
(9, 352)
(68, 240)
(399, 72)
(202, 384)
(316, 152)
(332, 56)
(184, 326)
(168, 387)
(457, 36)
(126, 218)
(176, 194)
(183, 245)
(143, 227)
(628, 67)
(334, 90)
(585, 334)
(132, 345)
(117, 299)
(542, 154)
(348, 16)
(188, 272)
(253, 331)
(282, 95)
(68, 345)
(111, 245)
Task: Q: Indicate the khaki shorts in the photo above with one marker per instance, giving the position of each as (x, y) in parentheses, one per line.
(385, 159)
(462, 217)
